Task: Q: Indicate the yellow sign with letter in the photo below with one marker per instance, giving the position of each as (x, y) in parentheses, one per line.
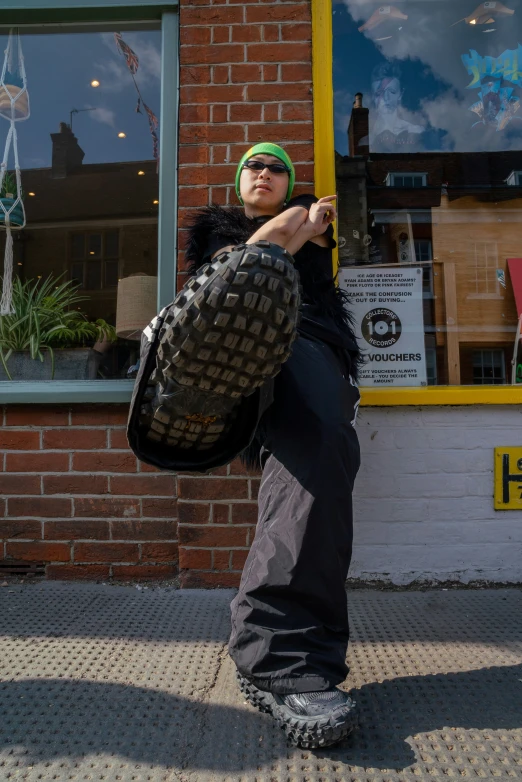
(508, 478)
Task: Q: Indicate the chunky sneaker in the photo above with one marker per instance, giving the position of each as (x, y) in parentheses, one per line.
(310, 719)
(227, 332)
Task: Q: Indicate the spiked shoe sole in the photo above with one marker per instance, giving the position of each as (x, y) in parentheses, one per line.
(228, 331)
(306, 732)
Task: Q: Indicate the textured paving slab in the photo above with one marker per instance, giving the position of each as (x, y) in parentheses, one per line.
(115, 683)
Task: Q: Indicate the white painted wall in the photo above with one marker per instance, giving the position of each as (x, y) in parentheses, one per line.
(423, 501)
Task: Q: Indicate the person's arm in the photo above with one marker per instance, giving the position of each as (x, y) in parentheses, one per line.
(299, 224)
(279, 230)
(320, 215)
(295, 226)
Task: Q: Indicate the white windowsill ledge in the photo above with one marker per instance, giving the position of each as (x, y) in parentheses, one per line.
(65, 391)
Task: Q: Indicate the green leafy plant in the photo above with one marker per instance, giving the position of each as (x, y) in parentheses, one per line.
(46, 317)
(9, 186)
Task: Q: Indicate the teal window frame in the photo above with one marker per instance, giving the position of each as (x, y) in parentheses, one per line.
(31, 13)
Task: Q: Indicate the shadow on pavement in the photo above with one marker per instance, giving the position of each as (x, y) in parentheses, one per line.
(48, 719)
(61, 609)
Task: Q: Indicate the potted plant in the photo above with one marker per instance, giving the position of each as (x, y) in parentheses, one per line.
(47, 336)
(8, 197)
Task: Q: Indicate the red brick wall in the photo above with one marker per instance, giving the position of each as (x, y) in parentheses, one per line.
(217, 518)
(73, 496)
(75, 499)
(246, 76)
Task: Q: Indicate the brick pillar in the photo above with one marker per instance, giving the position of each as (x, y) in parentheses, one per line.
(246, 76)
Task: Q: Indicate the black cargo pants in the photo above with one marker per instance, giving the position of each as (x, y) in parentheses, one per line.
(290, 617)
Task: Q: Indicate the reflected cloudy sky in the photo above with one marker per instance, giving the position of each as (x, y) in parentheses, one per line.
(59, 70)
(427, 51)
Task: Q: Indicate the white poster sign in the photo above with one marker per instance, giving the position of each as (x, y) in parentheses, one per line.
(387, 306)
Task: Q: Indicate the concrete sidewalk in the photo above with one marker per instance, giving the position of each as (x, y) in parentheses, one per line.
(117, 683)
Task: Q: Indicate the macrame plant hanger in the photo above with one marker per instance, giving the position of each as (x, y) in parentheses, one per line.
(14, 106)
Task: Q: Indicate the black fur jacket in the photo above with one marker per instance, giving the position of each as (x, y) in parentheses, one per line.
(324, 305)
(215, 226)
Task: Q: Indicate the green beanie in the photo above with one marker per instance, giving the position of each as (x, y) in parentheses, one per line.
(267, 149)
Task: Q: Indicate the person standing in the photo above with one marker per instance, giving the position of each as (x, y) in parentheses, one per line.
(290, 629)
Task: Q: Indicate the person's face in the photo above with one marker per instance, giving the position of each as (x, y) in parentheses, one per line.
(387, 94)
(263, 192)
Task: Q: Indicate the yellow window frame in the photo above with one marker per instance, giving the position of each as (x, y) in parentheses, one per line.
(324, 172)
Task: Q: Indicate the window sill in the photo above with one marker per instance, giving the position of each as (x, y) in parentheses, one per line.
(120, 391)
(442, 395)
(65, 391)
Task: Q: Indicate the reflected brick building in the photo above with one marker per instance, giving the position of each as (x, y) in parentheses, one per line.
(456, 213)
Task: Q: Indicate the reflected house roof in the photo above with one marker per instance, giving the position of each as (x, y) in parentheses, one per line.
(479, 174)
(98, 191)
(70, 190)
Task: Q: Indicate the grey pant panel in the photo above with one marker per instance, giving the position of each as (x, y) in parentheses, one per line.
(289, 619)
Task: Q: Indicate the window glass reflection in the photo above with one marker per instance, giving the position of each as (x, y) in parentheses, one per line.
(87, 142)
(428, 139)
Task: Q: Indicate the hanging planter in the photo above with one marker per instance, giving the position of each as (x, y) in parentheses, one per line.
(10, 206)
(14, 98)
(14, 106)
(16, 213)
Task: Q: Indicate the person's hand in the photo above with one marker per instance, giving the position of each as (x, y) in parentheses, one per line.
(320, 215)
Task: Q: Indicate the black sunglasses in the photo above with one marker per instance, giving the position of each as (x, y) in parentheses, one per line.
(274, 168)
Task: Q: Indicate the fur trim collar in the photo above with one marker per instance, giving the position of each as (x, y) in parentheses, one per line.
(312, 262)
(231, 222)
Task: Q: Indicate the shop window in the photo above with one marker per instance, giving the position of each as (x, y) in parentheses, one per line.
(489, 367)
(89, 167)
(406, 180)
(428, 143)
(94, 260)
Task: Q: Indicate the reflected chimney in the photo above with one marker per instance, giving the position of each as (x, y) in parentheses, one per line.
(358, 129)
(67, 153)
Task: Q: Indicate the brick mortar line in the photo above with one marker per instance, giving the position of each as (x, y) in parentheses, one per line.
(76, 473)
(44, 519)
(274, 22)
(209, 525)
(102, 449)
(87, 495)
(263, 82)
(225, 502)
(213, 548)
(217, 572)
(116, 542)
(277, 82)
(69, 427)
(211, 477)
(266, 23)
(241, 124)
(65, 427)
(246, 83)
